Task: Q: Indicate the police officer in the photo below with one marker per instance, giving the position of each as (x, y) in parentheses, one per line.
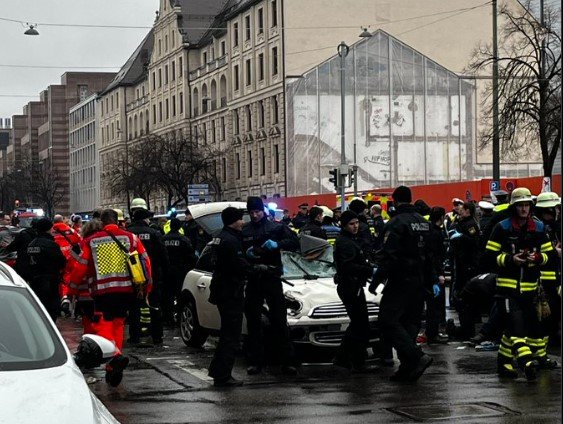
(46, 264)
(227, 292)
(182, 259)
(152, 240)
(365, 238)
(314, 226)
(405, 263)
(301, 218)
(378, 224)
(352, 271)
(262, 241)
(195, 233)
(19, 245)
(464, 241)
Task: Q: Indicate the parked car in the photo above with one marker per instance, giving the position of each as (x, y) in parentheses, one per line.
(7, 235)
(40, 380)
(315, 314)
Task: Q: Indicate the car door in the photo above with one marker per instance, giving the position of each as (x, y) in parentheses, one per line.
(207, 314)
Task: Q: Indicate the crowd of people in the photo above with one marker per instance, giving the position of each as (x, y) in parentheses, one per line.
(503, 259)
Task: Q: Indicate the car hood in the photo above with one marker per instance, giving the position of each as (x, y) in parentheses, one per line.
(314, 293)
(54, 395)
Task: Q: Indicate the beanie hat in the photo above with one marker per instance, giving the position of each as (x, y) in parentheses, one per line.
(139, 214)
(231, 215)
(43, 225)
(402, 194)
(346, 217)
(175, 224)
(357, 206)
(254, 204)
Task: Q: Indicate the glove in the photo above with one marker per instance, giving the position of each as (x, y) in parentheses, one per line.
(261, 268)
(270, 245)
(436, 290)
(454, 234)
(250, 253)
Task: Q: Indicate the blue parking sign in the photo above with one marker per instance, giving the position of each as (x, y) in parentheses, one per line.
(494, 185)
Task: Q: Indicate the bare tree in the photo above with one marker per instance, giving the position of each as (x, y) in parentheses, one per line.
(529, 85)
(45, 185)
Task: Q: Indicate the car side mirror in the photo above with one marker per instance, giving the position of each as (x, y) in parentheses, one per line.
(93, 351)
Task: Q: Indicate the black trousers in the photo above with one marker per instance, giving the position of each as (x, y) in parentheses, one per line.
(170, 291)
(354, 343)
(46, 287)
(140, 311)
(435, 309)
(400, 313)
(231, 312)
(268, 288)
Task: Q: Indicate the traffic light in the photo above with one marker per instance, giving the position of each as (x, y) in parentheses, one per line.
(351, 176)
(334, 178)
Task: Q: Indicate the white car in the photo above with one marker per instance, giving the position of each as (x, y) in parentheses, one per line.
(39, 380)
(315, 314)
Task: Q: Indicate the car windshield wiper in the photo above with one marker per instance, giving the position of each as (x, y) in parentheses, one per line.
(307, 276)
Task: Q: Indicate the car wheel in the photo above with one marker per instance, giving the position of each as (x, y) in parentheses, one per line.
(192, 333)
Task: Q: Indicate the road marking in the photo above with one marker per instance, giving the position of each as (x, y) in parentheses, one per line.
(189, 367)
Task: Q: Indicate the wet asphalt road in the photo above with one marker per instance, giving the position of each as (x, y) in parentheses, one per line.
(169, 384)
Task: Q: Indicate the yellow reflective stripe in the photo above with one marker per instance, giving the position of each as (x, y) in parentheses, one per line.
(506, 282)
(517, 340)
(546, 247)
(493, 245)
(505, 352)
(528, 286)
(548, 275)
(545, 259)
(506, 340)
(501, 259)
(523, 351)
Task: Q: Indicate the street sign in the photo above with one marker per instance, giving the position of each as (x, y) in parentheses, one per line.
(198, 199)
(546, 185)
(199, 186)
(197, 191)
(509, 186)
(494, 185)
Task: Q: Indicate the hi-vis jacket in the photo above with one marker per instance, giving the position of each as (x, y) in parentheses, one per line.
(104, 264)
(509, 239)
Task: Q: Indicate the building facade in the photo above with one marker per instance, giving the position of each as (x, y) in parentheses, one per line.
(83, 156)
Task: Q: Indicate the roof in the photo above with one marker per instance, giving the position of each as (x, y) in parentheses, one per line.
(203, 209)
(134, 68)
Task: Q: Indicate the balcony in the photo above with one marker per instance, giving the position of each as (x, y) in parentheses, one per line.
(137, 103)
(207, 68)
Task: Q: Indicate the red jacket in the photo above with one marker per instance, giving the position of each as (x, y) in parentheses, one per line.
(65, 237)
(104, 263)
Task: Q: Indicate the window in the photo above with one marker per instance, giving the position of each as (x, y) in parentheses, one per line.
(276, 159)
(236, 122)
(274, 10)
(248, 118)
(167, 109)
(236, 77)
(159, 111)
(261, 67)
(260, 21)
(261, 114)
(181, 103)
(262, 161)
(160, 77)
(165, 74)
(166, 41)
(173, 105)
(204, 58)
(160, 47)
(212, 54)
(274, 61)
(213, 131)
(223, 48)
(238, 165)
(224, 169)
(154, 114)
(275, 114)
(247, 28)
(117, 100)
(204, 133)
(223, 129)
(173, 70)
(249, 164)
(248, 72)
(180, 66)
(112, 102)
(235, 34)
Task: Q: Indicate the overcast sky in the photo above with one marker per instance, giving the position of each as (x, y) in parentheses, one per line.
(64, 46)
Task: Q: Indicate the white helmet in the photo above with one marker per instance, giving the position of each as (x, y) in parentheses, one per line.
(138, 203)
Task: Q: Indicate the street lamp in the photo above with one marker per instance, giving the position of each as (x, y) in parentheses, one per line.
(31, 30)
(343, 51)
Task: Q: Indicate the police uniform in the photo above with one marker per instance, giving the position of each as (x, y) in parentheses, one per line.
(314, 229)
(143, 313)
(46, 264)
(405, 262)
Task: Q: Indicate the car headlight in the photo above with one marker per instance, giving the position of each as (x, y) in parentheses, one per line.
(293, 305)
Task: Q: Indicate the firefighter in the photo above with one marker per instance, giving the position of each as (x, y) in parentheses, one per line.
(352, 271)
(182, 259)
(46, 264)
(406, 263)
(103, 261)
(69, 243)
(262, 241)
(520, 248)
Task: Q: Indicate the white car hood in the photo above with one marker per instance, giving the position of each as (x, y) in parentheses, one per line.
(54, 395)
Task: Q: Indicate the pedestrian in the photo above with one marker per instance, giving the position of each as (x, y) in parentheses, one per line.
(103, 261)
(352, 271)
(464, 242)
(405, 262)
(451, 216)
(46, 265)
(19, 245)
(314, 226)
(520, 249)
(262, 242)
(365, 237)
(227, 292)
(144, 311)
(301, 218)
(166, 227)
(76, 221)
(193, 231)
(378, 224)
(337, 212)
(286, 219)
(181, 255)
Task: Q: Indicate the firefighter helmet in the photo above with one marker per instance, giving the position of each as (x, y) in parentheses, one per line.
(521, 194)
(138, 203)
(548, 199)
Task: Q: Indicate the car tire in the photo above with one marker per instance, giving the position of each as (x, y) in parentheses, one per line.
(193, 335)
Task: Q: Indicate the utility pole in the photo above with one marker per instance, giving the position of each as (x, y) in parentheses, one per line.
(343, 50)
(543, 88)
(496, 141)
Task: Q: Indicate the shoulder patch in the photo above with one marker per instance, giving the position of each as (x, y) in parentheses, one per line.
(472, 230)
